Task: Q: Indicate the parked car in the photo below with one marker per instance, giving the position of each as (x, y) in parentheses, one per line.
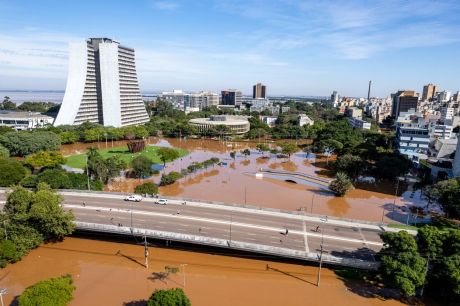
(134, 198)
(161, 201)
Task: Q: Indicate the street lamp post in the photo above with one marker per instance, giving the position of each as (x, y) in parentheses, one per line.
(394, 201)
(87, 173)
(320, 259)
(183, 271)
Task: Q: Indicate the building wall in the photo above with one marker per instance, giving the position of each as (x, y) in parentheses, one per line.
(76, 77)
(102, 86)
(110, 84)
(456, 165)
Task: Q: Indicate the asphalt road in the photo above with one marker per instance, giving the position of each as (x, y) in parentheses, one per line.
(344, 240)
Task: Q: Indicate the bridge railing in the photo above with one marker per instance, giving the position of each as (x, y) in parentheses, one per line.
(224, 243)
(313, 177)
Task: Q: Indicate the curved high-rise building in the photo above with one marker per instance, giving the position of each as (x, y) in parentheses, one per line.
(102, 86)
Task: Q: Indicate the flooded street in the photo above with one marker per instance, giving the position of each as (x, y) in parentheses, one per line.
(109, 273)
(235, 182)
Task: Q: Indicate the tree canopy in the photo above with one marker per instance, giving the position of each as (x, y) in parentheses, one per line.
(52, 292)
(171, 297)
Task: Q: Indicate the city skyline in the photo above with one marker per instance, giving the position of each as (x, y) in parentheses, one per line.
(293, 47)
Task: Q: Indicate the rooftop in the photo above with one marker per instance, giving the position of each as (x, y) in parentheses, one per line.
(15, 114)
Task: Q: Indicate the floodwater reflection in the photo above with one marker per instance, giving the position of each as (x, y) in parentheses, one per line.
(229, 181)
(109, 273)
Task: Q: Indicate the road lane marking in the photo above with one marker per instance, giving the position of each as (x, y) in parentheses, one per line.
(225, 222)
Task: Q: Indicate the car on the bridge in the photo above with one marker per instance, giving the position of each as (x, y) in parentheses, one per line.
(161, 201)
(134, 198)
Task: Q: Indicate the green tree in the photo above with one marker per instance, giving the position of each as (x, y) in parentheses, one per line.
(288, 148)
(4, 153)
(390, 167)
(447, 275)
(341, 184)
(52, 292)
(8, 253)
(402, 267)
(24, 143)
(114, 165)
(430, 240)
(142, 166)
(171, 297)
(146, 188)
(350, 164)
(7, 104)
(47, 159)
(56, 178)
(47, 214)
(69, 137)
(246, 152)
(11, 172)
(170, 178)
(167, 154)
(262, 148)
(447, 194)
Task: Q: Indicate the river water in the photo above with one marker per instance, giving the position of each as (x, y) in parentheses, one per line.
(110, 273)
(235, 182)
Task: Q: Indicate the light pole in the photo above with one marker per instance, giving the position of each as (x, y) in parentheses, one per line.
(320, 259)
(2, 292)
(87, 173)
(311, 208)
(183, 271)
(394, 201)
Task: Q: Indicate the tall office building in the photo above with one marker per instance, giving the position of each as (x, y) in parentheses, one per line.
(404, 100)
(231, 97)
(102, 86)
(429, 92)
(259, 91)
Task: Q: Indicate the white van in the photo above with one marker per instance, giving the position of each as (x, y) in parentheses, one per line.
(134, 198)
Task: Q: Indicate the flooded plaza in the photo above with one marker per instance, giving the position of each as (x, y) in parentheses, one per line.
(111, 273)
(235, 181)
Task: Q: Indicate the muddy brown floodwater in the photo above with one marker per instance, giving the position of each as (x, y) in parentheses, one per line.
(109, 273)
(235, 182)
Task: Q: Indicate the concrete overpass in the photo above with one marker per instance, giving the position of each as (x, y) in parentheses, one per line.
(297, 177)
(245, 228)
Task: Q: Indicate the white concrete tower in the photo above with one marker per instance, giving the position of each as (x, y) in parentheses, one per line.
(102, 86)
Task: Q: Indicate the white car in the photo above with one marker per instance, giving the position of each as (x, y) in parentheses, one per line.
(161, 201)
(134, 198)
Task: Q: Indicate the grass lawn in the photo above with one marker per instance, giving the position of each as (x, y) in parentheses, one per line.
(79, 160)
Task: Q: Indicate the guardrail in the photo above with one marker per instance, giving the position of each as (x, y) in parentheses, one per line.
(268, 209)
(224, 243)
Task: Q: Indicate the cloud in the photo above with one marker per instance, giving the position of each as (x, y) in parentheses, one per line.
(165, 5)
(354, 29)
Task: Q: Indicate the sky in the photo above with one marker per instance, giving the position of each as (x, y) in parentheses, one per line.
(301, 47)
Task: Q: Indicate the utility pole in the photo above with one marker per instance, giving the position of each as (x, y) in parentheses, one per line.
(2, 292)
(87, 172)
(146, 252)
(183, 271)
(320, 259)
